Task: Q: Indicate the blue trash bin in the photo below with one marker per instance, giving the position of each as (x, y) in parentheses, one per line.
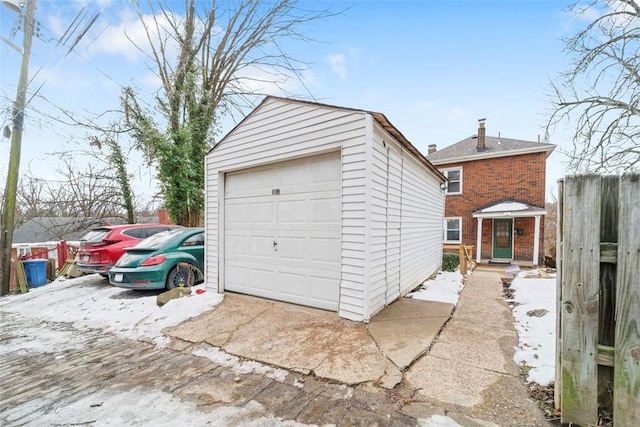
(36, 272)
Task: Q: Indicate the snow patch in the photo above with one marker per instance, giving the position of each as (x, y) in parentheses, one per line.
(215, 354)
(536, 334)
(118, 408)
(91, 302)
(445, 287)
(438, 421)
(506, 206)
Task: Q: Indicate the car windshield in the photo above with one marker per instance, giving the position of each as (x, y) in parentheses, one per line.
(95, 236)
(159, 239)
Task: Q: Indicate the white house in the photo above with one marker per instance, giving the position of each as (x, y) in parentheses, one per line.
(323, 206)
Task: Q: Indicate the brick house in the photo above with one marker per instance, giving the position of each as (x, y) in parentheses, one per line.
(495, 198)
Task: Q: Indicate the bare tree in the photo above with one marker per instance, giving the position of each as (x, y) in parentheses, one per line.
(220, 49)
(599, 95)
(117, 162)
(105, 149)
(80, 198)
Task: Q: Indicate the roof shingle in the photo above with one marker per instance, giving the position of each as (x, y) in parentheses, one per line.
(466, 149)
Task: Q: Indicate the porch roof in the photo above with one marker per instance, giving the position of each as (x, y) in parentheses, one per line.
(509, 209)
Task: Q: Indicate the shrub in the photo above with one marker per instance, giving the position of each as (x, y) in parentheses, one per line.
(450, 262)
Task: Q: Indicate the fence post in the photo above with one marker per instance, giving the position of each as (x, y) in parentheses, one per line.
(580, 293)
(462, 254)
(626, 411)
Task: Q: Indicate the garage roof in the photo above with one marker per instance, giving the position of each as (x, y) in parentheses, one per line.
(380, 118)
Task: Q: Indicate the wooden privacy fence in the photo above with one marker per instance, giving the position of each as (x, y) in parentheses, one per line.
(598, 324)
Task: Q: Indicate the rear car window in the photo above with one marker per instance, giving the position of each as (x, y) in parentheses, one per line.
(142, 232)
(195, 240)
(159, 239)
(136, 232)
(95, 236)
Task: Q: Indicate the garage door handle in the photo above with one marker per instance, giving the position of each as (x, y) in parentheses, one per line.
(275, 245)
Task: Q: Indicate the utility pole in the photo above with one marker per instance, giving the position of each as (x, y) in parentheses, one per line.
(11, 188)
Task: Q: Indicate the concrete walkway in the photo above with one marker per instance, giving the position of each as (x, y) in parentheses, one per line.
(469, 373)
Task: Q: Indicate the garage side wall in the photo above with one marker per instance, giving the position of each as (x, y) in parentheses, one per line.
(279, 131)
(407, 207)
(421, 232)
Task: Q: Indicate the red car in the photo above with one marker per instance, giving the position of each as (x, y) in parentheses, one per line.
(101, 247)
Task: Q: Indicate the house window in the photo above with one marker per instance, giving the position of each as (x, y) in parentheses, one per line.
(24, 251)
(454, 176)
(453, 230)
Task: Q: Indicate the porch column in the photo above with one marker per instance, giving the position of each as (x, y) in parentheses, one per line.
(479, 241)
(536, 240)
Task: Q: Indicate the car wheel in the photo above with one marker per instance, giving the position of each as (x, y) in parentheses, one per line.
(105, 275)
(182, 275)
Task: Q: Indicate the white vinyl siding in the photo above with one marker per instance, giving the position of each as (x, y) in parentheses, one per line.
(378, 229)
(280, 131)
(421, 234)
(406, 207)
(391, 204)
(394, 222)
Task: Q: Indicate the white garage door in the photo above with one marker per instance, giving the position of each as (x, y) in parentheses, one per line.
(282, 231)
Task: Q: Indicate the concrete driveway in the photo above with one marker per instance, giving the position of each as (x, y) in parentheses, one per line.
(443, 361)
(318, 342)
(58, 370)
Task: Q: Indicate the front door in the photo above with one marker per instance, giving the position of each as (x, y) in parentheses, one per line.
(503, 238)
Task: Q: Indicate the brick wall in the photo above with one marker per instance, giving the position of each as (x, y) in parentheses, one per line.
(487, 181)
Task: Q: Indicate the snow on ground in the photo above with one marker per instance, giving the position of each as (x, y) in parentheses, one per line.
(438, 421)
(91, 302)
(122, 408)
(445, 287)
(535, 321)
(238, 366)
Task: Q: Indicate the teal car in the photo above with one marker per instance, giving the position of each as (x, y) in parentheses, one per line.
(166, 260)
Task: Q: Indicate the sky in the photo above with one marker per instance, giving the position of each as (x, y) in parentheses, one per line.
(432, 67)
(88, 304)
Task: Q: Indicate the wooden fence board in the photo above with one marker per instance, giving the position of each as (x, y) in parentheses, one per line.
(557, 387)
(21, 277)
(580, 293)
(627, 332)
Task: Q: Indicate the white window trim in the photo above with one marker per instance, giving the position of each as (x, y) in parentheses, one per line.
(444, 172)
(23, 251)
(459, 218)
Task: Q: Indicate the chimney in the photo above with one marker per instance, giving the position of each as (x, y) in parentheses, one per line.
(432, 149)
(163, 216)
(481, 135)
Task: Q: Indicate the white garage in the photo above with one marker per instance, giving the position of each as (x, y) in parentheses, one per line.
(322, 206)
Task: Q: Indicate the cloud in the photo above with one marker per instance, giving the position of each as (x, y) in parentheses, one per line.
(128, 38)
(587, 13)
(338, 65)
(592, 11)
